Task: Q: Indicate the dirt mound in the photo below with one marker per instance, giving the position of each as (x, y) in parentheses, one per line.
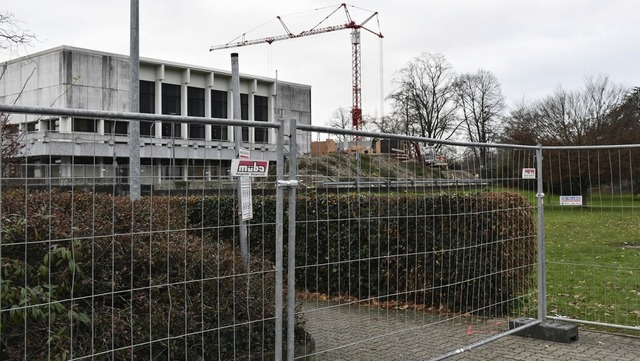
(343, 167)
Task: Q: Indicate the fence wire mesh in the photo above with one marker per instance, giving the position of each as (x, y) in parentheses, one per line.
(401, 248)
(86, 273)
(593, 245)
(409, 252)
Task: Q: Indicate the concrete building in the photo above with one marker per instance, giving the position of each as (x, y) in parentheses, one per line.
(96, 150)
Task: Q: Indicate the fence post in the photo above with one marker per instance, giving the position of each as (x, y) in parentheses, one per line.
(542, 260)
(279, 242)
(291, 242)
(243, 229)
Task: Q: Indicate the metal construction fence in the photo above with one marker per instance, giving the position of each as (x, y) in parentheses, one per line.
(592, 218)
(371, 252)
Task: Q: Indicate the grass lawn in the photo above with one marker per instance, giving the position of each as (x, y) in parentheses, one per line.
(593, 260)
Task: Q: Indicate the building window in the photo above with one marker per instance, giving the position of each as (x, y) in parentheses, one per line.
(147, 105)
(171, 106)
(195, 108)
(196, 131)
(244, 115)
(195, 102)
(170, 99)
(147, 97)
(219, 110)
(116, 127)
(31, 126)
(171, 130)
(145, 128)
(13, 128)
(51, 125)
(84, 125)
(261, 114)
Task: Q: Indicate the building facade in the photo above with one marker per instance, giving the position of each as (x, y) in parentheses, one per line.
(96, 150)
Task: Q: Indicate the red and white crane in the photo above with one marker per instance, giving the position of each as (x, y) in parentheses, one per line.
(356, 65)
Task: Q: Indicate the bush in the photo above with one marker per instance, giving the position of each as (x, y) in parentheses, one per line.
(460, 252)
(93, 273)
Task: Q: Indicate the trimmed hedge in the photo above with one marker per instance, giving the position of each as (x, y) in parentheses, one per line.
(129, 268)
(455, 252)
(458, 253)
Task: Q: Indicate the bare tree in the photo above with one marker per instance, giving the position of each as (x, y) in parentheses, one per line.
(11, 144)
(13, 37)
(481, 104)
(424, 100)
(591, 115)
(341, 118)
(388, 124)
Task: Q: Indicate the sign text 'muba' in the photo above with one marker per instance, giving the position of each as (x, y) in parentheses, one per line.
(249, 167)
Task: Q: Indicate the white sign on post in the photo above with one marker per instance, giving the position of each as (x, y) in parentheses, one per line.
(528, 173)
(246, 168)
(246, 202)
(570, 200)
(244, 153)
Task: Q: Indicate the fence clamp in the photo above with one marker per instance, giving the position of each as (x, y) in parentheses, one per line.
(287, 183)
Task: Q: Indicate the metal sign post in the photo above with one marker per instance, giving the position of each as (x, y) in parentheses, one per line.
(243, 229)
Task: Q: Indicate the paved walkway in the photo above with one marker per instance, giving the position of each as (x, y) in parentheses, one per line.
(352, 332)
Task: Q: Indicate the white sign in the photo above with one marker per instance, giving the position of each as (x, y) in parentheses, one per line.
(244, 153)
(528, 173)
(570, 200)
(249, 167)
(246, 203)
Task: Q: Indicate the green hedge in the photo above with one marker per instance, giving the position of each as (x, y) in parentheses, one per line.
(127, 266)
(459, 252)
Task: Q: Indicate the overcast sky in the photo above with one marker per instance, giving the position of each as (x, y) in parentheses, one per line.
(532, 46)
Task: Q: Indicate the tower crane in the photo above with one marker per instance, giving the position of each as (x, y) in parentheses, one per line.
(356, 109)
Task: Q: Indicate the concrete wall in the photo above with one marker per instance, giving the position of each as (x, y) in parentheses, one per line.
(95, 80)
(294, 102)
(33, 81)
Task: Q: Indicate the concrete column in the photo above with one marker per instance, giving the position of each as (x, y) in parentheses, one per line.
(252, 116)
(101, 169)
(66, 125)
(158, 125)
(185, 168)
(272, 111)
(184, 101)
(157, 171)
(207, 104)
(230, 130)
(253, 89)
(66, 170)
(207, 170)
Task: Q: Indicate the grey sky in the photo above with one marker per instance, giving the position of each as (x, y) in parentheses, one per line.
(532, 46)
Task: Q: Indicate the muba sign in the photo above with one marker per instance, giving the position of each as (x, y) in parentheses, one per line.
(249, 167)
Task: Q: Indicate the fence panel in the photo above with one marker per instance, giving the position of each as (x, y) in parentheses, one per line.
(593, 240)
(86, 273)
(405, 252)
(400, 247)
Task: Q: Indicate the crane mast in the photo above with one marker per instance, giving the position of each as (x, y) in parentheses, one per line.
(356, 65)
